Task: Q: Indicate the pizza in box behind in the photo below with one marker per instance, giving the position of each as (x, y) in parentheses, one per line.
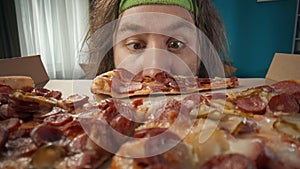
(255, 128)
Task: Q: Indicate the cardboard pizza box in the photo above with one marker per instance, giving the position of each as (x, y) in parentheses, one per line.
(283, 67)
(25, 66)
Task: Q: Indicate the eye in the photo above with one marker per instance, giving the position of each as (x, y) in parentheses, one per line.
(175, 45)
(135, 46)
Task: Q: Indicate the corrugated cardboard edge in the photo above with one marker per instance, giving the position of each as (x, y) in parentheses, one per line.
(283, 67)
(25, 66)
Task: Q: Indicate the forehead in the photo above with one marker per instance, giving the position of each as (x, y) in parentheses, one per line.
(162, 9)
(159, 19)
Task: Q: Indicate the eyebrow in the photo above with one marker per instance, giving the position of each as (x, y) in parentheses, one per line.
(181, 25)
(130, 27)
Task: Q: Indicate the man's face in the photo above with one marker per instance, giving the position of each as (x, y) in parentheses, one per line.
(156, 36)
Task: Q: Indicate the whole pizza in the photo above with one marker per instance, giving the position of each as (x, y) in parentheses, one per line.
(255, 128)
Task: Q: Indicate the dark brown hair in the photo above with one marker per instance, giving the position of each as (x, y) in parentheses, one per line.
(207, 20)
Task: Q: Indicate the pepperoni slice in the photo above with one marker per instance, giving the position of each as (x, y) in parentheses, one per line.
(247, 127)
(284, 103)
(123, 125)
(120, 86)
(72, 129)
(123, 74)
(75, 100)
(166, 79)
(253, 104)
(229, 161)
(11, 124)
(297, 97)
(79, 143)
(58, 119)
(215, 96)
(22, 106)
(137, 102)
(41, 116)
(286, 86)
(46, 134)
(39, 91)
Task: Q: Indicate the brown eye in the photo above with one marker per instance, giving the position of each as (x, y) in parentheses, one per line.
(175, 45)
(135, 46)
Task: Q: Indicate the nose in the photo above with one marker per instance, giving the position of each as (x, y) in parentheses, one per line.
(156, 58)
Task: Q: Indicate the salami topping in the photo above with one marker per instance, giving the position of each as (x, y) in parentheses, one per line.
(137, 102)
(72, 129)
(10, 124)
(166, 79)
(79, 143)
(214, 96)
(47, 93)
(284, 103)
(253, 104)
(124, 75)
(75, 100)
(286, 86)
(46, 134)
(58, 119)
(297, 97)
(41, 116)
(121, 87)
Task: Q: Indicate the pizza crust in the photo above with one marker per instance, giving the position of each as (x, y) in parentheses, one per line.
(17, 82)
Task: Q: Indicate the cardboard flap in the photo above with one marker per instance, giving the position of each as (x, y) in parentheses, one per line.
(25, 66)
(284, 67)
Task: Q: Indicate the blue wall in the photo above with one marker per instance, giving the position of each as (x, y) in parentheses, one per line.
(256, 31)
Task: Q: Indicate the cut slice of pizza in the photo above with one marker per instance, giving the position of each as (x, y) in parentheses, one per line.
(122, 83)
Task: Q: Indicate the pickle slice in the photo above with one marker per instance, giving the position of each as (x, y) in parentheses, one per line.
(46, 157)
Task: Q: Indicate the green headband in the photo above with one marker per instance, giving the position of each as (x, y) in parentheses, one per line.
(186, 4)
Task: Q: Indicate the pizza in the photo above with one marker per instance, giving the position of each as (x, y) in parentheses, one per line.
(40, 129)
(123, 83)
(254, 128)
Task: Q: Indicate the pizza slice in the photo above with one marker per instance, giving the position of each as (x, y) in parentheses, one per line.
(122, 83)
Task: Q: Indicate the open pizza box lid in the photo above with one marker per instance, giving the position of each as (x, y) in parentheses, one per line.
(283, 67)
(25, 66)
